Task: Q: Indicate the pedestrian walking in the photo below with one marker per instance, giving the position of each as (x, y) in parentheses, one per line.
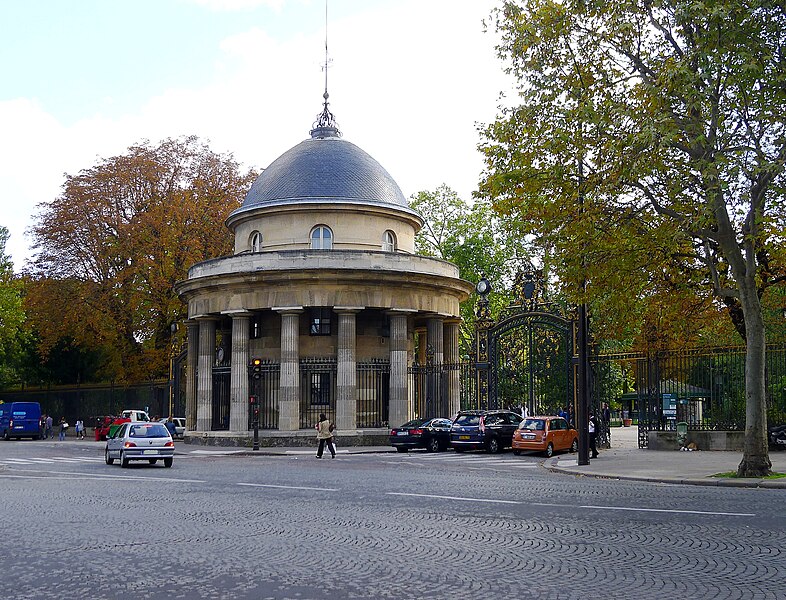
(42, 426)
(325, 436)
(79, 428)
(63, 427)
(605, 417)
(49, 427)
(170, 427)
(593, 427)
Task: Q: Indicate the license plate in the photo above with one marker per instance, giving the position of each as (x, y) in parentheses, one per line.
(463, 437)
(528, 436)
(149, 451)
(402, 433)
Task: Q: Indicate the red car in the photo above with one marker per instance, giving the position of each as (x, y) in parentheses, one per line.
(545, 434)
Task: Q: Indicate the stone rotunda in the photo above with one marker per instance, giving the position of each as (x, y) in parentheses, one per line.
(324, 307)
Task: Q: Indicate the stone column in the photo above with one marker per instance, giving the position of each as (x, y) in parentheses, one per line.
(289, 386)
(436, 405)
(238, 391)
(346, 386)
(452, 361)
(192, 362)
(399, 410)
(207, 350)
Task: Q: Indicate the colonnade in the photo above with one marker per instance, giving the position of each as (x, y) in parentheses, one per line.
(442, 338)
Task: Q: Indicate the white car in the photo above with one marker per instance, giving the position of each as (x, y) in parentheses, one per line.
(140, 440)
(180, 425)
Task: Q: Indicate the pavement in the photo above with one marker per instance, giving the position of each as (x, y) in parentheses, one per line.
(625, 460)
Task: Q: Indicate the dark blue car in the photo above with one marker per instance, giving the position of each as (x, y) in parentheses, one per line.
(20, 419)
(490, 430)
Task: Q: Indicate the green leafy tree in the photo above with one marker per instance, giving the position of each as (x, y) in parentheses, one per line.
(12, 316)
(472, 237)
(648, 150)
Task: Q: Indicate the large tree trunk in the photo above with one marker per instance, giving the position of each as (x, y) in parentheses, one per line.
(755, 458)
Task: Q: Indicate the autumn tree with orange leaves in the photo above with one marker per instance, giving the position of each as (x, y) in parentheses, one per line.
(111, 246)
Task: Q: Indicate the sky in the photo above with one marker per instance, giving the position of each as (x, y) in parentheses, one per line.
(82, 80)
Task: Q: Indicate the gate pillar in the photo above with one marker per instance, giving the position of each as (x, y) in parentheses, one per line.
(238, 391)
(398, 411)
(192, 363)
(207, 350)
(346, 386)
(289, 386)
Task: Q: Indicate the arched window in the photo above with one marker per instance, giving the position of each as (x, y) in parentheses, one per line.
(255, 242)
(388, 241)
(321, 238)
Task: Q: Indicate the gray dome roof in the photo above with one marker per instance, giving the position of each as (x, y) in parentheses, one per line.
(324, 168)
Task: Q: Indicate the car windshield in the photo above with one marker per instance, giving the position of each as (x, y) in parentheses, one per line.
(413, 423)
(467, 420)
(152, 430)
(533, 424)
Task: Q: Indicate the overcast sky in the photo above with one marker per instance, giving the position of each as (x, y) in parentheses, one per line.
(85, 79)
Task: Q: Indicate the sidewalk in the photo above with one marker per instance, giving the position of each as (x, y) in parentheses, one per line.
(626, 461)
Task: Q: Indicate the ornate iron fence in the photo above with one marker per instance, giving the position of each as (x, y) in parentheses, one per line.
(373, 394)
(265, 388)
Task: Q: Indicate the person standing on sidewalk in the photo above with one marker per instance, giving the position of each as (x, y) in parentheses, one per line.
(49, 427)
(79, 428)
(325, 435)
(63, 427)
(593, 428)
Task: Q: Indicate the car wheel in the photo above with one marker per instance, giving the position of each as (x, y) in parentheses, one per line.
(168, 462)
(123, 459)
(517, 452)
(108, 459)
(574, 447)
(400, 449)
(152, 461)
(549, 450)
(494, 446)
(433, 445)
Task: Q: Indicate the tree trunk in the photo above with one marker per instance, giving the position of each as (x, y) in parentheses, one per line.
(755, 458)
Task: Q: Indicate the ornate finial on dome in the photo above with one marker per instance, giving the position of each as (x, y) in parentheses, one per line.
(326, 124)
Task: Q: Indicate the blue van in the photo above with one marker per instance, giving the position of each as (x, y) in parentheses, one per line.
(20, 419)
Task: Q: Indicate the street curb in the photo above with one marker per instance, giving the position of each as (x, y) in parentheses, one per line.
(709, 481)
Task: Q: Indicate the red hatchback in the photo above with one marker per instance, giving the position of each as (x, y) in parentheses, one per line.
(545, 434)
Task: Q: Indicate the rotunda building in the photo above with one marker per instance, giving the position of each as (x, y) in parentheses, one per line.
(324, 307)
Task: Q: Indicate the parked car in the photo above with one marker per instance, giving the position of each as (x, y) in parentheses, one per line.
(140, 440)
(431, 434)
(777, 436)
(20, 419)
(125, 417)
(180, 425)
(545, 434)
(491, 430)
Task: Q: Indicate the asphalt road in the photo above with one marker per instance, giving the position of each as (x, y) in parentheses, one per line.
(387, 526)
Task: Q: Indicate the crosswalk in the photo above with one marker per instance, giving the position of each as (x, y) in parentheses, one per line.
(50, 460)
(469, 461)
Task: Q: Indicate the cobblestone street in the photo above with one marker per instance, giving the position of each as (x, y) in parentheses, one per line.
(392, 526)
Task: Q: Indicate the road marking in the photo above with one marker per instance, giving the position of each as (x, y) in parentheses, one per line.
(98, 476)
(673, 511)
(289, 487)
(216, 452)
(461, 498)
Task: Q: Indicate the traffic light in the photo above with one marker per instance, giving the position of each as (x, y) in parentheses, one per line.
(256, 368)
(252, 400)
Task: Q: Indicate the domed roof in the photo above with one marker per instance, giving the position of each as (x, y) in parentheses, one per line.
(324, 168)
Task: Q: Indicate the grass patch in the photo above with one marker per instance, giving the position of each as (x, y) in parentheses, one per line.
(733, 475)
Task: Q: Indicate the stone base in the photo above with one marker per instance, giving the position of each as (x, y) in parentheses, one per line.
(727, 441)
(285, 439)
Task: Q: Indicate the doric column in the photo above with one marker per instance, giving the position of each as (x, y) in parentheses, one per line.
(435, 403)
(192, 362)
(238, 386)
(289, 386)
(346, 385)
(452, 361)
(399, 410)
(207, 350)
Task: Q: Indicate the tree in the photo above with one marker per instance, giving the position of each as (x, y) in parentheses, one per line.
(649, 149)
(473, 238)
(12, 316)
(111, 247)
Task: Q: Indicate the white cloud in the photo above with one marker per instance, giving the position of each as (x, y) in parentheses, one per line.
(407, 85)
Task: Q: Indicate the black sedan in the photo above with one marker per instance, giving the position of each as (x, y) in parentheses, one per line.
(431, 434)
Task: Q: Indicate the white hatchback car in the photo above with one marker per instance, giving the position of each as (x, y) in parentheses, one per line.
(140, 440)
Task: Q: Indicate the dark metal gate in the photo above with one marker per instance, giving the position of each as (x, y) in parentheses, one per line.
(526, 358)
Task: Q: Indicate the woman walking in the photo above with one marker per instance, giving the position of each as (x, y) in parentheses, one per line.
(325, 435)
